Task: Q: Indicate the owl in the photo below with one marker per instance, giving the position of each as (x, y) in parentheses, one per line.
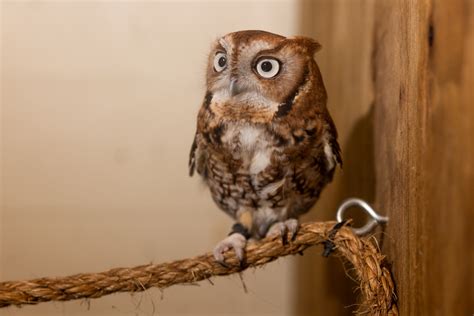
(265, 144)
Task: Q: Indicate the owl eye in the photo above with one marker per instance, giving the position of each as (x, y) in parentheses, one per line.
(220, 62)
(268, 67)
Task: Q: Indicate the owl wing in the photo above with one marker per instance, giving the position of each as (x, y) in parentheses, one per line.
(332, 140)
(196, 157)
(313, 167)
(192, 157)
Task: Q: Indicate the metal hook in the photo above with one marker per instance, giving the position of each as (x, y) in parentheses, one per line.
(374, 221)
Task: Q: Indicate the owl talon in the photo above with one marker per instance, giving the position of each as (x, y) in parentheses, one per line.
(289, 226)
(293, 226)
(284, 236)
(237, 242)
(222, 263)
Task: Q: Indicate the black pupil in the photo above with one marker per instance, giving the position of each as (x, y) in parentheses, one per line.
(221, 61)
(266, 66)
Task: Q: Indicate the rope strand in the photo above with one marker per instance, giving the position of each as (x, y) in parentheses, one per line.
(375, 281)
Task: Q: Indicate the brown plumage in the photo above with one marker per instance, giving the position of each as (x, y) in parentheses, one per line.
(265, 143)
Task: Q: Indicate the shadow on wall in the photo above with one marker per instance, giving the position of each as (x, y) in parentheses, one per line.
(322, 287)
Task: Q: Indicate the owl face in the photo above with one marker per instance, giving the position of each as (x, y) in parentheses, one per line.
(257, 68)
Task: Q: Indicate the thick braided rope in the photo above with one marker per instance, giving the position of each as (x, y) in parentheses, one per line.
(374, 278)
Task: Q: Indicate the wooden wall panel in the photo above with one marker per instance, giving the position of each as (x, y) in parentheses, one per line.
(423, 72)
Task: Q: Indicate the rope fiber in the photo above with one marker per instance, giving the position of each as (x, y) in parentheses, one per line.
(370, 271)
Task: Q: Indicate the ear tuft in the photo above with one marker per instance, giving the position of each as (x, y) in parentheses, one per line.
(310, 44)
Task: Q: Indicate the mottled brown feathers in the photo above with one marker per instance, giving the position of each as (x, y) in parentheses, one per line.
(264, 145)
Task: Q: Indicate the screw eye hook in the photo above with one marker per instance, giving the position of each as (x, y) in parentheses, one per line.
(375, 218)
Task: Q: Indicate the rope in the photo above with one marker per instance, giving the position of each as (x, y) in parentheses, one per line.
(375, 282)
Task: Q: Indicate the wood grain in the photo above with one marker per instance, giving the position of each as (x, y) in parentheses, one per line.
(423, 66)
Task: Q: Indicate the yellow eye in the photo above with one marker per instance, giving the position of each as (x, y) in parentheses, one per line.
(268, 67)
(220, 62)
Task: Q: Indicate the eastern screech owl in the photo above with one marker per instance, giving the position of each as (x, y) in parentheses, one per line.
(265, 143)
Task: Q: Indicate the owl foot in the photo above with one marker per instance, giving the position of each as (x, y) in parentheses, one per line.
(290, 226)
(234, 241)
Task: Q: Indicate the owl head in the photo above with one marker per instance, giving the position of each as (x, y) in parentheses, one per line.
(259, 68)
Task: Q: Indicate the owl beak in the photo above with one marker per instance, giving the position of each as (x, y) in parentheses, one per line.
(234, 88)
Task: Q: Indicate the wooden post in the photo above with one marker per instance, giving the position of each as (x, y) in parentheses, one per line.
(424, 150)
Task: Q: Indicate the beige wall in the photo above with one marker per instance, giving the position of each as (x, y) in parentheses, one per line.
(98, 114)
